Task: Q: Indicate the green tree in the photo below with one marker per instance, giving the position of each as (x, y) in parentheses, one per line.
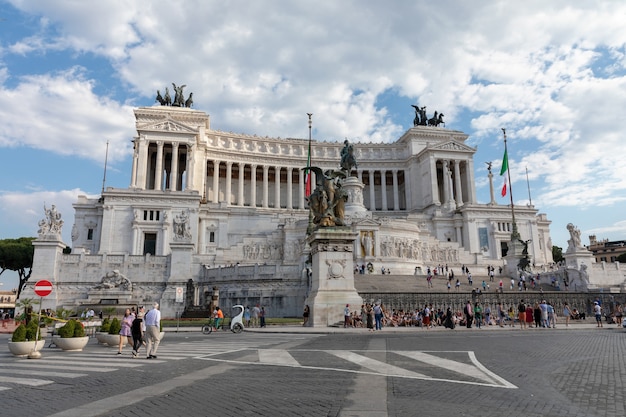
(622, 258)
(557, 254)
(17, 255)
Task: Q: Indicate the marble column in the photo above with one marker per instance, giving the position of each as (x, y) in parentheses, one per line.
(158, 171)
(216, 181)
(174, 168)
(433, 181)
(253, 185)
(372, 187)
(266, 169)
(446, 183)
(242, 170)
(276, 187)
(229, 181)
(457, 183)
(133, 175)
(396, 195)
(189, 166)
(289, 190)
(143, 162)
(383, 187)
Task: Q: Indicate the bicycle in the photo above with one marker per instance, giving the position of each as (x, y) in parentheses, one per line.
(209, 327)
(236, 324)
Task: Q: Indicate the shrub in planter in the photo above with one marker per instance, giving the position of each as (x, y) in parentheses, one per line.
(116, 326)
(19, 334)
(79, 330)
(106, 325)
(68, 329)
(33, 332)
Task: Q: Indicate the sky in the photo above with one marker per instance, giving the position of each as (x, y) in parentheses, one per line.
(553, 74)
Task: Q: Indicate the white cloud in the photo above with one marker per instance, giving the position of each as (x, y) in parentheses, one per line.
(23, 210)
(61, 113)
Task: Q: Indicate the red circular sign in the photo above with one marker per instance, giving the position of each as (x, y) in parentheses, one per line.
(43, 288)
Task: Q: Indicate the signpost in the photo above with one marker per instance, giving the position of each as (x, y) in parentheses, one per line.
(43, 288)
(179, 299)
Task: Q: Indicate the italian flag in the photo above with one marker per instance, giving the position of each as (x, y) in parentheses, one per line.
(504, 172)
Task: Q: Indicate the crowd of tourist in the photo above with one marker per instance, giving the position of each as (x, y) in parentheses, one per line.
(524, 315)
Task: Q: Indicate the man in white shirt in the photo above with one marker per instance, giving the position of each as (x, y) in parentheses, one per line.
(152, 321)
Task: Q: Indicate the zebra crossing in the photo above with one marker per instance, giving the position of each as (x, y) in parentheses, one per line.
(56, 365)
(459, 367)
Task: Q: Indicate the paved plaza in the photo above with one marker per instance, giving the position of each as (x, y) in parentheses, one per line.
(293, 371)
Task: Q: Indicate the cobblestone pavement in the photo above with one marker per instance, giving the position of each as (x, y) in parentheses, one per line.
(331, 372)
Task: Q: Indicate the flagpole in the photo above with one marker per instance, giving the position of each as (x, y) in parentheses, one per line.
(514, 232)
(106, 158)
(308, 159)
(530, 200)
(307, 185)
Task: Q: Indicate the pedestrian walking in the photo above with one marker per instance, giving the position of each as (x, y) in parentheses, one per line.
(246, 316)
(567, 313)
(305, 315)
(469, 314)
(346, 316)
(125, 332)
(262, 317)
(597, 311)
(153, 331)
(378, 316)
(255, 315)
(137, 330)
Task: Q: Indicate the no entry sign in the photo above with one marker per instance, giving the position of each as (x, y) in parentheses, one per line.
(43, 288)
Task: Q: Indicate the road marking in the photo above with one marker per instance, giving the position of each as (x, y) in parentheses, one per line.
(33, 382)
(376, 366)
(461, 368)
(45, 373)
(277, 357)
(471, 372)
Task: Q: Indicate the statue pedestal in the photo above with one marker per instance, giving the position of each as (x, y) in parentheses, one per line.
(48, 251)
(513, 257)
(353, 187)
(332, 283)
(574, 258)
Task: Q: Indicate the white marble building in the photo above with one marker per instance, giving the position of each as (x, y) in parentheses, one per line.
(209, 208)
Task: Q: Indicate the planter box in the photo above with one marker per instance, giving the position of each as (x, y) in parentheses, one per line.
(24, 348)
(112, 340)
(71, 343)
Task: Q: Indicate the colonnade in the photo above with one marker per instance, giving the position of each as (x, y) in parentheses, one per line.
(271, 186)
(156, 166)
(450, 184)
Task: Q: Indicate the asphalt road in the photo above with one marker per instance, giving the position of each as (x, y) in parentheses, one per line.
(299, 372)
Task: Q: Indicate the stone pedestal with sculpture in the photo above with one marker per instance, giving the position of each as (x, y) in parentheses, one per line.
(576, 254)
(332, 281)
(514, 255)
(47, 253)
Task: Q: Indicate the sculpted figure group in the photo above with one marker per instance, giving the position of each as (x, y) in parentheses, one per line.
(179, 98)
(422, 120)
(52, 224)
(327, 201)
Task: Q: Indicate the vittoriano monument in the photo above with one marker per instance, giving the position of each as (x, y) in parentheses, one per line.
(332, 242)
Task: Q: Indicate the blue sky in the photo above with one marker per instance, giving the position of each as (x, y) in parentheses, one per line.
(552, 73)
